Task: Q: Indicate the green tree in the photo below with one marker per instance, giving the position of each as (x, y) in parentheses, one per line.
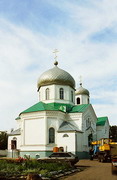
(113, 133)
(3, 140)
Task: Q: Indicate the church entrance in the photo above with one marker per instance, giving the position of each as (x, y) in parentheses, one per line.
(14, 144)
(90, 139)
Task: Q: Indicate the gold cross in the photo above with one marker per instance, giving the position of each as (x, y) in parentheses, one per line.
(80, 77)
(55, 51)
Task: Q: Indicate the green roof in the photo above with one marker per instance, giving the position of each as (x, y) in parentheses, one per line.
(79, 108)
(101, 121)
(40, 106)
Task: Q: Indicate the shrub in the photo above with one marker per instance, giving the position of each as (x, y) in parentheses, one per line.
(24, 167)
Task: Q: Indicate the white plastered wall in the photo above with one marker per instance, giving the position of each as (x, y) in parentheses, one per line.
(84, 99)
(68, 143)
(103, 131)
(33, 131)
(54, 94)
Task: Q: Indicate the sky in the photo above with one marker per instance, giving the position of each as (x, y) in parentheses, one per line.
(85, 34)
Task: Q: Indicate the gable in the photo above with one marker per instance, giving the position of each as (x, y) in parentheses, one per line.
(67, 126)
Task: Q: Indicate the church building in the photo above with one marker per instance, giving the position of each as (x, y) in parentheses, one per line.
(63, 118)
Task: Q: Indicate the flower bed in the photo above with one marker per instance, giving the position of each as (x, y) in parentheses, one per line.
(15, 168)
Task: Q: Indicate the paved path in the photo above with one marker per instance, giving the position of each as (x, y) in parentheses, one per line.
(92, 170)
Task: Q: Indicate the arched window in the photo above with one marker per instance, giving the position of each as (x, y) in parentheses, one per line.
(51, 135)
(78, 100)
(61, 93)
(65, 135)
(47, 94)
(72, 96)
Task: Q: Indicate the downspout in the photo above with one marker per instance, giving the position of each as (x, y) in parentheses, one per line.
(75, 143)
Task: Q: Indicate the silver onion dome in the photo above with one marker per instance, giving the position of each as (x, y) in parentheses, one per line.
(56, 76)
(81, 91)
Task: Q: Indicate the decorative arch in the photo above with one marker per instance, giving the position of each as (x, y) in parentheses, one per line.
(78, 100)
(47, 94)
(61, 93)
(51, 135)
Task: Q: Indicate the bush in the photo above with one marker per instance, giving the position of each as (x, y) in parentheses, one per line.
(15, 167)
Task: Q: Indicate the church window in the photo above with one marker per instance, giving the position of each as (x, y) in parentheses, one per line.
(37, 156)
(78, 100)
(88, 123)
(51, 135)
(65, 135)
(47, 93)
(61, 92)
(71, 96)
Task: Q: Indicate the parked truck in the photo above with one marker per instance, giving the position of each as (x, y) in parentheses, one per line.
(104, 149)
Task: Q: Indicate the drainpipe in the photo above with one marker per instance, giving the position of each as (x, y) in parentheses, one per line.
(75, 143)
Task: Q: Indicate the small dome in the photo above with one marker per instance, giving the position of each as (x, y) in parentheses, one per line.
(56, 76)
(81, 91)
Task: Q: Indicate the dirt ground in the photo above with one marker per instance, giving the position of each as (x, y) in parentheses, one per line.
(92, 170)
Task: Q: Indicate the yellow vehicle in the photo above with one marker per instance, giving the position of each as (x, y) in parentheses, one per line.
(102, 149)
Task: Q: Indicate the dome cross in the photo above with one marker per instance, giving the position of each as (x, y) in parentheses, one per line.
(80, 77)
(55, 52)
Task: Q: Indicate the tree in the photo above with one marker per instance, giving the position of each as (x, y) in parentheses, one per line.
(3, 140)
(113, 133)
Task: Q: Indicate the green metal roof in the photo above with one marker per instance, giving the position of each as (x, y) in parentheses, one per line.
(79, 108)
(40, 106)
(101, 121)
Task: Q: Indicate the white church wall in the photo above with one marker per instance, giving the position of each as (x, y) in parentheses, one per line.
(52, 123)
(30, 131)
(34, 131)
(103, 131)
(79, 142)
(67, 94)
(67, 141)
(89, 120)
(84, 99)
(76, 119)
(54, 94)
(18, 121)
(107, 128)
(54, 119)
(42, 93)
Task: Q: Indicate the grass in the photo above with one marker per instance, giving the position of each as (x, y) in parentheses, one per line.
(12, 168)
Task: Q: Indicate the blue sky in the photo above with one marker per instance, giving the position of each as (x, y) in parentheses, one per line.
(84, 32)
